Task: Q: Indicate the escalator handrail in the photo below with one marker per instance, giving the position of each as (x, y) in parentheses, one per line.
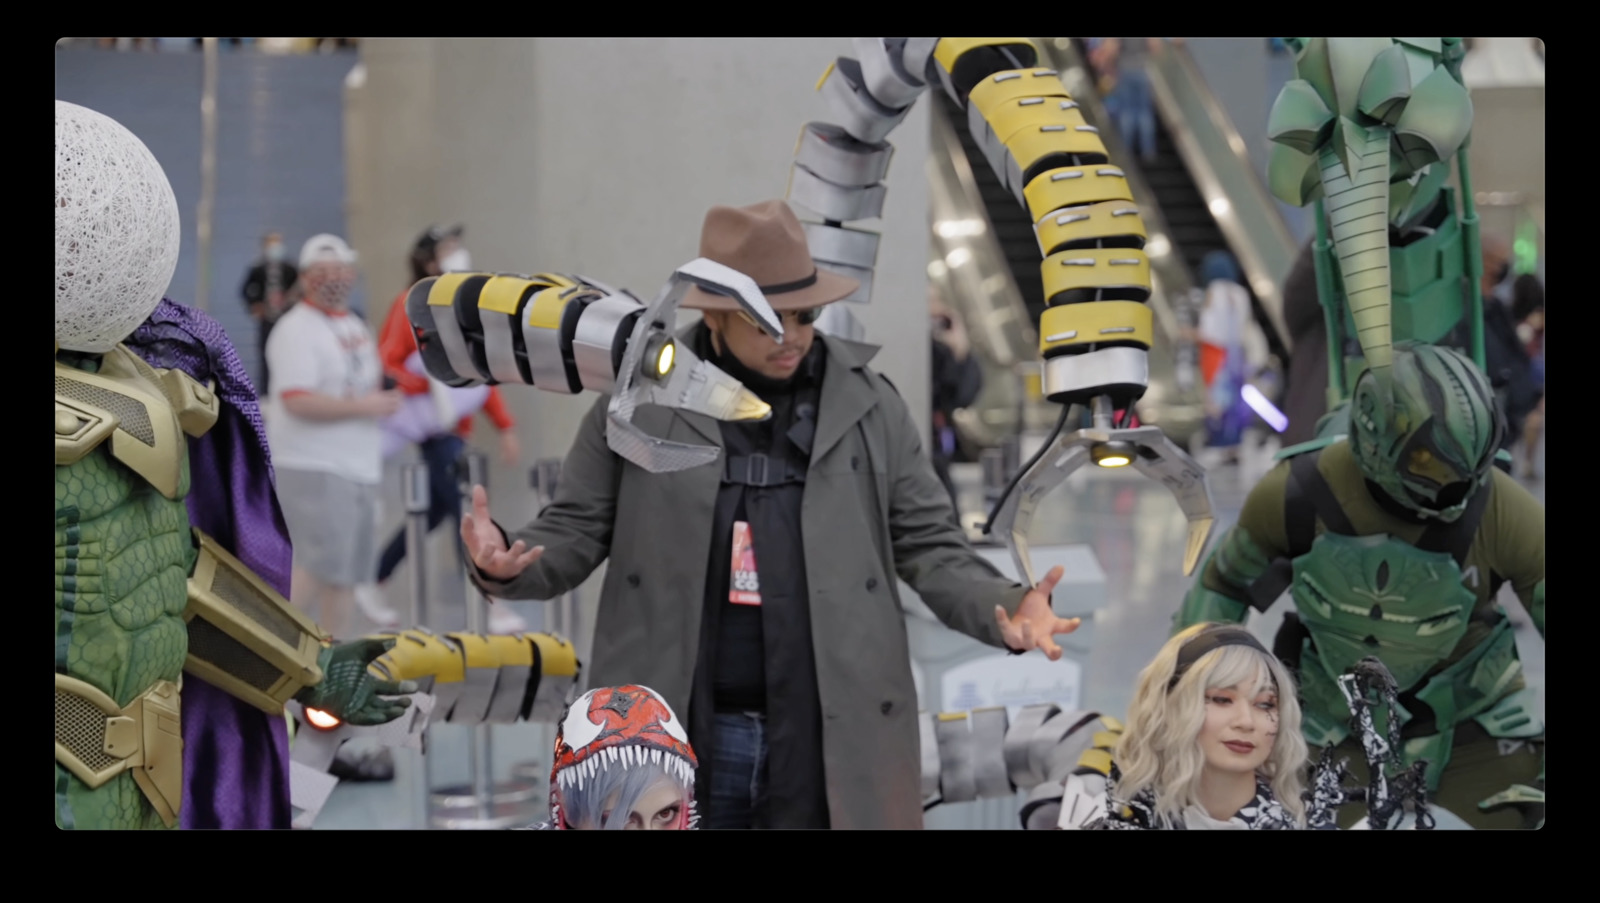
(1172, 73)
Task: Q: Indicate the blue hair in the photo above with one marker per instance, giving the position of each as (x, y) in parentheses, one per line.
(584, 808)
(1219, 265)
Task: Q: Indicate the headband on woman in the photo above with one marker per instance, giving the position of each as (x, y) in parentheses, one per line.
(1210, 641)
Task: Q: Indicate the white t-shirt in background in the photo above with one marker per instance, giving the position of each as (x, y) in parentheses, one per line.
(311, 350)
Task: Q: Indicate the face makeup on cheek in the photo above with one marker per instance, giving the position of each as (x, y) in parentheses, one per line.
(1239, 730)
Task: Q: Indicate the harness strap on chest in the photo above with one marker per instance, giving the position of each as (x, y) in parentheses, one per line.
(1456, 538)
(789, 466)
(1306, 497)
(761, 470)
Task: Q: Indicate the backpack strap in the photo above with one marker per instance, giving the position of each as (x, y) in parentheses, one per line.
(1306, 498)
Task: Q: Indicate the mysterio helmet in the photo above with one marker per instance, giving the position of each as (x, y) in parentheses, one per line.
(117, 235)
(1426, 430)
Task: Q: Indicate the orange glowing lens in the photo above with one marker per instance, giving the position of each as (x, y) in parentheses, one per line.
(321, 720)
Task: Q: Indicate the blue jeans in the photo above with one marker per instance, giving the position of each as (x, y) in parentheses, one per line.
(444, 499)
(738, 771)
(1135, 112)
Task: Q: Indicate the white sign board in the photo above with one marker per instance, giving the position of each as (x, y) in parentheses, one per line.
(1014, 681)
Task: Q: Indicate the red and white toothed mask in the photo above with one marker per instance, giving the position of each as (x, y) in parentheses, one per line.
(618, 741)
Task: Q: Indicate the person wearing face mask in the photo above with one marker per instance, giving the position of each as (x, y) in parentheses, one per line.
(266, 293)
(326, 404)
(437, 250)
(1212, 743)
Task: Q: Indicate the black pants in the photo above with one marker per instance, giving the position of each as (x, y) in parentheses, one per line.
(444, 499)
(264, 331)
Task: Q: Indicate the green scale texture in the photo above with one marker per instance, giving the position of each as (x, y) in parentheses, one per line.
(123, 557)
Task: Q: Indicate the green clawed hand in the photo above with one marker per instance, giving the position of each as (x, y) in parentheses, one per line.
(1527, 800)
(348, 692)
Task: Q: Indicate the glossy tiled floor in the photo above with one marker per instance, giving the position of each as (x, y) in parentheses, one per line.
(1136, 533)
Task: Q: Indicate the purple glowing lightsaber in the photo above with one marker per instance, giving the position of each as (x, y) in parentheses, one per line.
(1259, 403)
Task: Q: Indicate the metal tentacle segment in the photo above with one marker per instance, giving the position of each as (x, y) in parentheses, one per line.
(478, 679)
(655, 370)
(567, 334)
(1096, 334)
(839, 169)
(1147, 449)
(982, 754)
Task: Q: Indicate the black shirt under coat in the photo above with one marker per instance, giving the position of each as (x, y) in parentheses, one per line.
(761, 658)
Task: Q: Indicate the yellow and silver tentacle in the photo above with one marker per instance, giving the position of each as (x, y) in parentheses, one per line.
(567, 334)
(1096, 334)
(1058, 756)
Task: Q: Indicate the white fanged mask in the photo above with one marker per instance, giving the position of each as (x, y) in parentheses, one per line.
(117, 230)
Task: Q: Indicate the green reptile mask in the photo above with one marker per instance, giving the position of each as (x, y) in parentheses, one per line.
(1426, 430)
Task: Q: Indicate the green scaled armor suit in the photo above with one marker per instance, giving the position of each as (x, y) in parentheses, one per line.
(123, 556)
(141, 598)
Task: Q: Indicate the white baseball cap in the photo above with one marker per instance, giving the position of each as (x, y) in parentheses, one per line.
(326, 248)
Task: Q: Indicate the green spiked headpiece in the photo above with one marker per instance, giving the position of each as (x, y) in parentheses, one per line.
(1367, 125)
(1426, 430)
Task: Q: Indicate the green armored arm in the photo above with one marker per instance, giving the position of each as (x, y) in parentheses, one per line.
(1240, 571)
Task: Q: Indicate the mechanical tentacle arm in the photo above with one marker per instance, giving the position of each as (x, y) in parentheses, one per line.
(981, 754)
(462, 678)
(566, 334)
(1096, 334)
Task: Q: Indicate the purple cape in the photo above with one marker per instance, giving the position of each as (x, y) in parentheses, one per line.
(235, 757)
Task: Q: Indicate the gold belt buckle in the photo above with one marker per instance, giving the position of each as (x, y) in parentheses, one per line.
(96, 740)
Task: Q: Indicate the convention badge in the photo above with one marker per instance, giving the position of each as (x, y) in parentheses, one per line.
(745, 586)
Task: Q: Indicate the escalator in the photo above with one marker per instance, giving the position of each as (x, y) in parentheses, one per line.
(1202, 193)
(1008, 220)
(1207, 188)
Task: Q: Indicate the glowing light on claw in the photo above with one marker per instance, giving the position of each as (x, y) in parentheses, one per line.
(322, 720)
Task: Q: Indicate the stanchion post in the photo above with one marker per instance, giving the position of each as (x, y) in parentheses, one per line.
(479, 747)
(415, 490)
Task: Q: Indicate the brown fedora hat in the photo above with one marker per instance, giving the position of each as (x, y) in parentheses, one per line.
(766, 242)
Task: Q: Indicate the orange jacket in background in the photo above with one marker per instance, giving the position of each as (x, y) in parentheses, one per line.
(397, 342)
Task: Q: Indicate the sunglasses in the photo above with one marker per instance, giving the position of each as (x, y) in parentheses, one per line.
(798, 317)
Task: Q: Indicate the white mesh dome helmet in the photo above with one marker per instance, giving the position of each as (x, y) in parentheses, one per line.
(116, 230)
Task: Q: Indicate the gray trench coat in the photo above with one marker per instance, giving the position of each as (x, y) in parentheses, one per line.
(873, 508)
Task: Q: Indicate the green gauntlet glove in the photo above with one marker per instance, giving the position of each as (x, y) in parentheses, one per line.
(349, 693)
(1529, 800)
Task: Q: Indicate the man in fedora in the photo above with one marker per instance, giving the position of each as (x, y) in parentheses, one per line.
(757, 594)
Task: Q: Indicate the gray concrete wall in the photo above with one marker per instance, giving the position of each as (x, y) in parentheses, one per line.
(601, 156)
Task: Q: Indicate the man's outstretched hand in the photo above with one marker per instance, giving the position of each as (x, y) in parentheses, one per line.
(487, 545)
(1036, 625)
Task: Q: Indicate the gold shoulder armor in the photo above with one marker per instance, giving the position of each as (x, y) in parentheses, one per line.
(197, 406)
(125, 404)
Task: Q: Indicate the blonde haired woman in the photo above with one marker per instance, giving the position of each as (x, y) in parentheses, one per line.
(1212, 742)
